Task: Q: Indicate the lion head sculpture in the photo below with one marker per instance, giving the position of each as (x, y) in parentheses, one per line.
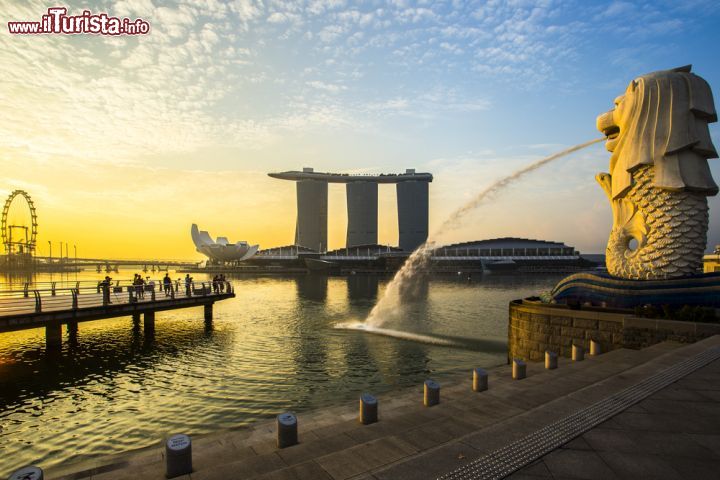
(662, 120)
(659, 176)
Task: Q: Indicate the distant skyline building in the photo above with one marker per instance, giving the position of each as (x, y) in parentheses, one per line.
(362, 206)
(221, 250)
(312, 209)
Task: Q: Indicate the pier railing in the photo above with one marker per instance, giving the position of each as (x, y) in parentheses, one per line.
(84, 294)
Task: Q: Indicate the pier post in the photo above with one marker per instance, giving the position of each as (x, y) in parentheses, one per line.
(178, 456)
(431, 393)
(72, 329)
(595, 348)
(53, 335)
(208, 312)
(368, 409)
(551, 360)
(286, 430)
(578, 353)
(149, 321)
(480, 380)
(136, 319)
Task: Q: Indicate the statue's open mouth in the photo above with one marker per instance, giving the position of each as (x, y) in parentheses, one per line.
(611, 132)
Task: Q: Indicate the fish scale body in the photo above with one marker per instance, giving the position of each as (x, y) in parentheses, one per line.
(675, 225)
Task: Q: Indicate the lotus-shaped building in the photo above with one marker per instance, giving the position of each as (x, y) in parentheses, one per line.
(221, 250)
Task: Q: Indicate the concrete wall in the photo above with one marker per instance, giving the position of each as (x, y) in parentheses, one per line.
(312, 214)
(413, 216)
(362, 208)
(534, 328)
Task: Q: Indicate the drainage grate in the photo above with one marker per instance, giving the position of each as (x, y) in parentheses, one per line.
(512, 457)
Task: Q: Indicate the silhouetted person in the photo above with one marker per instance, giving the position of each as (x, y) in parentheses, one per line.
(167, 284)
(188, 284)
(105, 284)
(138, 283)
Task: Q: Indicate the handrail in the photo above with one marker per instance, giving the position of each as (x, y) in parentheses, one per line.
(38, 301)
(43, 285)
(74, 298)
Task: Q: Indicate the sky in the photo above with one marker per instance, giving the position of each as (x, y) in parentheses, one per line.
(124, 141)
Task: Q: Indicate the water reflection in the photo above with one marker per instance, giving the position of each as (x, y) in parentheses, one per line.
(94, 349)
(362, 287)
(273, 347)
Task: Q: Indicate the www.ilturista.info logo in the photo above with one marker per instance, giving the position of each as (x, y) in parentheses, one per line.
(59, 22)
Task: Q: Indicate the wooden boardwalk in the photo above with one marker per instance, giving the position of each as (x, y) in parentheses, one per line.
(51, 308)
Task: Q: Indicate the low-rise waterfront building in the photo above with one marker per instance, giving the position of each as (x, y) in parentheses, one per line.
(711, 261)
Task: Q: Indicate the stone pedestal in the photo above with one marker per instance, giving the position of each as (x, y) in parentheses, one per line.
(551, 360)
(480, 380)
(519, 369)
(368, 409)
(431, 393)
(27, 473)
(578, 353)
(178, 456)
(287, 430)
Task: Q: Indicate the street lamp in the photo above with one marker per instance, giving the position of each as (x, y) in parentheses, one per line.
(75, 249)
(50, 244)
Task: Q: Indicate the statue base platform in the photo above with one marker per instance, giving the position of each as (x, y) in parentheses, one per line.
(607, 291)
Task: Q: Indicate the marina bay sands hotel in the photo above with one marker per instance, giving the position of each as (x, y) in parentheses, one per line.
(362, 207)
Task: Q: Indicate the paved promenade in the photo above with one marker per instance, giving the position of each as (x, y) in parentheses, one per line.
(672, 433)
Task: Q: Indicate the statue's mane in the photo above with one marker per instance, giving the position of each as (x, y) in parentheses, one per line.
(668, 128)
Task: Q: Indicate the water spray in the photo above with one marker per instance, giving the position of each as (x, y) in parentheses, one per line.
(405, 279)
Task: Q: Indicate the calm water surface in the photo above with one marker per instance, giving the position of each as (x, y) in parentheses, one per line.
(271, 348)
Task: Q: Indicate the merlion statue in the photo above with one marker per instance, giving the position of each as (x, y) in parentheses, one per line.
(659, 176)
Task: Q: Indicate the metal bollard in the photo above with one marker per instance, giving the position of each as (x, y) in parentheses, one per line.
(595, 348)
(368, 409)
(27, 473)
(480, 380)
(519, 369)
(178, 456)
(287, 435)
(431, 393)
(551, 360)
(578, 353)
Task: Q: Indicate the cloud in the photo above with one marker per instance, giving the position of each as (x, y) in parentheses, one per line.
(327, 87)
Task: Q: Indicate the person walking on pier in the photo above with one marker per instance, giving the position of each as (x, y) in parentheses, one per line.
(216, 284)
(167, 284)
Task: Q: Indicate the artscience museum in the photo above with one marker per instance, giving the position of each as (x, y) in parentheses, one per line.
(221, 250)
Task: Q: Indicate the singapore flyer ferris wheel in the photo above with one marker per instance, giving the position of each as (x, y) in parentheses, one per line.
(20, 238)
